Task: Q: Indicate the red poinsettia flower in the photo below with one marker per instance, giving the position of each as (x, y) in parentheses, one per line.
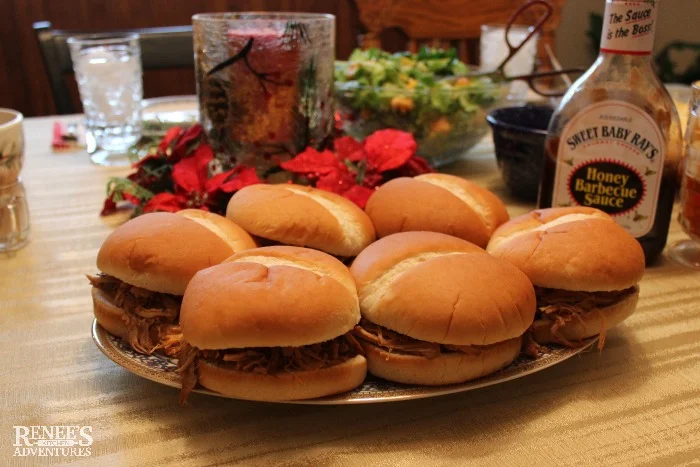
(169, 137)
(190, 174)
(337, 181)
(416, 165)
(177, 175)
(313, 163)
(359, 195)
(167, 202)
(233, 180)
(357, 168)
(389, 149)
(194, 188)
(108, 207)
(349, 148)
(185, 141)
(324, 169)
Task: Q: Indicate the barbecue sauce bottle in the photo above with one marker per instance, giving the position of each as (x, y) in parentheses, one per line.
(614, 142)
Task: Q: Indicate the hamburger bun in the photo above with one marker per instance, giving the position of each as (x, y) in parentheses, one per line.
(437, 288)
(448, 368)
(588, 324)
(276, 296)
(162, 251)
(227, 230)
(578, 249)
(282, 386)
(108, 315)
(302, 216)
(437, 203)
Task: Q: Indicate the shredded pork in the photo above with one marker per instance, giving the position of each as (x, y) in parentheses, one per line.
(563, 306)
(399, 343)
(150, 317)
(267, 360)
(531, 348)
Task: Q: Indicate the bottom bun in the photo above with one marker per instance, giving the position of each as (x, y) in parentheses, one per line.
(448, 368)
(283, 386)
(108, 315)
(591, 323)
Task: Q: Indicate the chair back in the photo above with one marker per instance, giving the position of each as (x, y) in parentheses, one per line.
(166, 47)
(449, 23)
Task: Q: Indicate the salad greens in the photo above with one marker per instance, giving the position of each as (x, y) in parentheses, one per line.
(424, 93)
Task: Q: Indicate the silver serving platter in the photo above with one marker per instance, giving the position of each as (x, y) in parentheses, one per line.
(161, 369)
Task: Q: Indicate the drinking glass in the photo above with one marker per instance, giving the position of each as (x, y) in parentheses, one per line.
(687, 252)
(14, 214)
(494, 50)
(108, 70)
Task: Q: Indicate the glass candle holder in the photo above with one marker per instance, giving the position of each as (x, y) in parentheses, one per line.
(264, 83)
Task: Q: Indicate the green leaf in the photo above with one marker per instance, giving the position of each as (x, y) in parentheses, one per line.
(116, 186)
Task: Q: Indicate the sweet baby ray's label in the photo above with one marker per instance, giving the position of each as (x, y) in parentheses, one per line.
(610, 157)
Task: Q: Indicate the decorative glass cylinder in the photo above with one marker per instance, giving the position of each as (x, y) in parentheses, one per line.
(264, 82)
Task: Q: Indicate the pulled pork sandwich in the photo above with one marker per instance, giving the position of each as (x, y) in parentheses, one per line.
(145, 266)
(302, 216)
(272, 324)
(584, 266)
(438, 310)
(436, 203)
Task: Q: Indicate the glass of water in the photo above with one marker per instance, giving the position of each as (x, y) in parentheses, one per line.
(108, 71)
(494, 50)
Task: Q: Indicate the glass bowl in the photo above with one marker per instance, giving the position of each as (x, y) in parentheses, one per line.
(446, 119)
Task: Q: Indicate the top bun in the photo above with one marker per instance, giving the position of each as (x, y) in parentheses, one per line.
(589, 252)
(437, 203)
(162, 251)
(302, 216)
(227, 230)
(276, 296)
(438, 288)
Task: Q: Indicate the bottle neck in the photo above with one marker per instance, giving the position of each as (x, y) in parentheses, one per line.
(629, 27)
(625, 59)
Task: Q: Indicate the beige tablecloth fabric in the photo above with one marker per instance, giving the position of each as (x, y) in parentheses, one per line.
(636, 402)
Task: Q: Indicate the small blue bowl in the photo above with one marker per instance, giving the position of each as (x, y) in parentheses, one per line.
(518, 136)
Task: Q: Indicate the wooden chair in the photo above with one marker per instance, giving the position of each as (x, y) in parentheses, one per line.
(449, 23)
(169, 47)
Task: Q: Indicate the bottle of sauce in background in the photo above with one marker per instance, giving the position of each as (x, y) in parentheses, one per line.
(614, 143)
